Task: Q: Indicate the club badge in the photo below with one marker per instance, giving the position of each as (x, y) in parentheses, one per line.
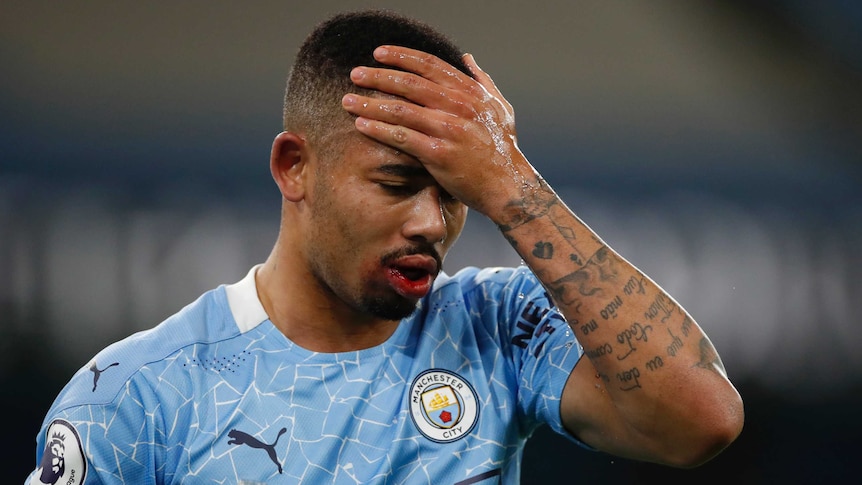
(443, 405)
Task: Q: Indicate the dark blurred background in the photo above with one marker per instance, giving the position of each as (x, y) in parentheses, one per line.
(714, 144)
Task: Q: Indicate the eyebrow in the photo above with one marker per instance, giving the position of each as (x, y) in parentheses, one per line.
(402, 170)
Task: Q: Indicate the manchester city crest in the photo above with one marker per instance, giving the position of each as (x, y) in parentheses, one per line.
(444, 406)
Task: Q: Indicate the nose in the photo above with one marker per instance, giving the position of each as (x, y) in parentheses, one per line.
(426, 221)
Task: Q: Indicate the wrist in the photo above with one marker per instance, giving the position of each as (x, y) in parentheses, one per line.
(533, 199)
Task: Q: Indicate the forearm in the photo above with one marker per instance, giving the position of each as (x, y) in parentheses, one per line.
(622, 318)
(657, 366)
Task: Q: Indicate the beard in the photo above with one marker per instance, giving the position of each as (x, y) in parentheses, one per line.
(394, 307)
(373, 296)
(378, 301)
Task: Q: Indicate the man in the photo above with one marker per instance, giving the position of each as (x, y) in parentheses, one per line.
(348, 357)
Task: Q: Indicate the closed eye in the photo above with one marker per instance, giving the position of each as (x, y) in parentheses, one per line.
(396, 188)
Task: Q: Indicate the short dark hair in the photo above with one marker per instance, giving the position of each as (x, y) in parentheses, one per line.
(320, 76)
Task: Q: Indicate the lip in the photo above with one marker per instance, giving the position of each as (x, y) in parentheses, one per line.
(412, 287)
(417, 262)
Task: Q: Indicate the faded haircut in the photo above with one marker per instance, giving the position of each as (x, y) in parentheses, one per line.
(320, 76)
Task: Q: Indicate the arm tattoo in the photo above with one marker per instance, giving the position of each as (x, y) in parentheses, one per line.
(675, 344)
(543, 250)
(585, 281)
(635, 332)
(629, 379)
(709, 358)
(534, 205)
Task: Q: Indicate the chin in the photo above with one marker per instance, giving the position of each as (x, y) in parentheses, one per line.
(392, 308)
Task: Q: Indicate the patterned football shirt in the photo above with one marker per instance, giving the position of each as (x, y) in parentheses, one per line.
(216, 394)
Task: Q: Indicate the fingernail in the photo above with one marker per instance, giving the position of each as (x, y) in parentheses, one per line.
(357, 73)
(348, 100)
(361, 122)
(381, 52)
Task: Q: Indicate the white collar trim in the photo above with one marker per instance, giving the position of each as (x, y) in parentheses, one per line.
(245, 306)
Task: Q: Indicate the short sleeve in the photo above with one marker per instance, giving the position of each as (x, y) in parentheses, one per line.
(544, 349)
(108, 443)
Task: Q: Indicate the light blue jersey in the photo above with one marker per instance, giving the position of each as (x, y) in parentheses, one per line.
(217, 395)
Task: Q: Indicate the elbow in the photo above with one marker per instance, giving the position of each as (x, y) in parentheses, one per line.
(706, 447)
(710, 435)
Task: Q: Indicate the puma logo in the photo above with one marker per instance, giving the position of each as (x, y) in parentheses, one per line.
(97, 373)
(241, 438)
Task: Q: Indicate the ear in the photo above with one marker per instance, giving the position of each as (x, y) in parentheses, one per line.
(287, 163)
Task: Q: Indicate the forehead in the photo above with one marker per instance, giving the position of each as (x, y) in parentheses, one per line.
(366, 154)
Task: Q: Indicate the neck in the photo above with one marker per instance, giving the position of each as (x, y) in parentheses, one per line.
(312, 316)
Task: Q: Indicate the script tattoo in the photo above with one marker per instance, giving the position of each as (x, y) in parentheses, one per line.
(655, 363)
(634, 285)
(600, 351)
(687, 324)
(610, 310)
(629, 379)
(662, 307)
(637, 332)
(590, 326)
(675, 344)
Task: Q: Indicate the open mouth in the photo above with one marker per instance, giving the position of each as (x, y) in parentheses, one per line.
(412, 274)
(410, 282)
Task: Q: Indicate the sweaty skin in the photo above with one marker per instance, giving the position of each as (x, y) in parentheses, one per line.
(653, 387)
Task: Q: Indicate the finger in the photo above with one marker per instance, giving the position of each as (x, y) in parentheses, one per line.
(482, 77)
(414, 88)
(430, 122)
(424, 64)
(397, 83)
(407, 140)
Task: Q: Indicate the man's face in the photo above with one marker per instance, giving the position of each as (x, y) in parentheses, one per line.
(379, 228)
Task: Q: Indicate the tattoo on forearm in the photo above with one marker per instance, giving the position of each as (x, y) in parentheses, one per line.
(590, 326)
(675, 344)
(599, 268)
(709, 358)
(534, 205)
(610, 310)
(582, 279)
(637, 332)
(605, 263)
(655, 363)
(563, 288)
(662, 307)
(567, 232)
(600, 351)
(543, 250)
(635, 284)
(687, 324)
(629, 379)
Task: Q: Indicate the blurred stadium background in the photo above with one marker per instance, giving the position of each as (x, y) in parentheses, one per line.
(715, 144)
